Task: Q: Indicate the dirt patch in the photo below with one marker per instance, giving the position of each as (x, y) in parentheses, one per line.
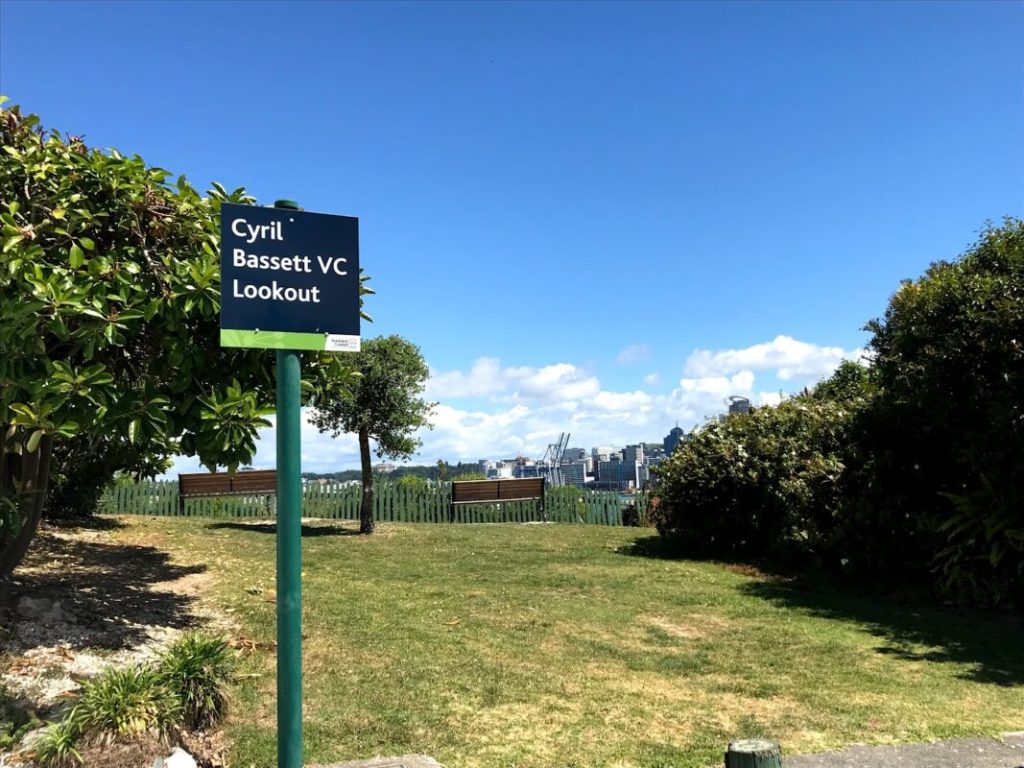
(208, 749)
(86, 599)
(132, 754)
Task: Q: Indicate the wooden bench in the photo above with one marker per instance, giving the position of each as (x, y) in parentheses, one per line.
(257, 482)
(497, 492)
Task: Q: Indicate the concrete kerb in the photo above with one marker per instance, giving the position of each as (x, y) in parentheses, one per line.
(405, 761)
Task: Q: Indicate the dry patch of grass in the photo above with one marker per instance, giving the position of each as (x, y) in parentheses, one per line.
(694, 626)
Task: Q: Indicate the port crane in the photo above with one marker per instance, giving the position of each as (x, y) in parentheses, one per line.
(553, 459)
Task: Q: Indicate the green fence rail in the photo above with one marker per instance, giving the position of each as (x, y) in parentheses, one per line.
(392, 502)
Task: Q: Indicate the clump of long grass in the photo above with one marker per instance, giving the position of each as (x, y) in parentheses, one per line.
(128, 702)
(188, 686)
(58, 746)
(198, 669)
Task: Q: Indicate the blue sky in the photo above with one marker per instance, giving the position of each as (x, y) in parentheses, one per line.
(592, 217)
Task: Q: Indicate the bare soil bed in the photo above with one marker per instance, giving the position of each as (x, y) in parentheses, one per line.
(86, 599)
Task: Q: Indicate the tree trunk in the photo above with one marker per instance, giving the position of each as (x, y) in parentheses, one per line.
(366, 508)
(24, 479)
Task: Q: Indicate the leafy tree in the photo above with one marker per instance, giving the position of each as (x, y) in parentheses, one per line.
(911, 467)
(109, 353)
(414, 482)
(470, 476)
(383, 404)
(948, 434)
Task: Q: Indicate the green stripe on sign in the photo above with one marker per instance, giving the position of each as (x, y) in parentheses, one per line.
(272, 339)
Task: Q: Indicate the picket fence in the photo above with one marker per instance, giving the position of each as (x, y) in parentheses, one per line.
(393, 503)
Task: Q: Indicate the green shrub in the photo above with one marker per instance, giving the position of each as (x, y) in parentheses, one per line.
(765, 483)
(127, 702)
(631, 516)
(58, 746)
(197, 669)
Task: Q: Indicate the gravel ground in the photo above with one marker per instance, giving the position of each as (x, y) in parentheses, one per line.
(84, 600)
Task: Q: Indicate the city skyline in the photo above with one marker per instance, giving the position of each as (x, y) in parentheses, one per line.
(328, 449)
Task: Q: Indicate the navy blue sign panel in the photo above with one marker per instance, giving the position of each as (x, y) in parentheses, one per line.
(289, 279)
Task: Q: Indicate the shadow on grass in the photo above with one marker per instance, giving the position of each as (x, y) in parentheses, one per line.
(308, 531)
(910, 626)
(989, 645)
(92, 594)
(90, 523)
(653, 546)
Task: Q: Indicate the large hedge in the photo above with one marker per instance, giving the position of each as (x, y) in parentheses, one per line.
(769, 482)
(948, 434)
(913, 467)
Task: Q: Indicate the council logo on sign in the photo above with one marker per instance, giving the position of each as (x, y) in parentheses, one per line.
(289, 279)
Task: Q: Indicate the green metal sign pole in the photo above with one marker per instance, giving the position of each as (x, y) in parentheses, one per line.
(289, 554)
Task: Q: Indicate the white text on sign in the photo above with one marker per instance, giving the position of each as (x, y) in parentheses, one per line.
(330, 265)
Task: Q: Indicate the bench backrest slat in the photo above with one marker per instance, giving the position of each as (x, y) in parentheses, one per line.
(222, 484)
(486, 491)
(474, 490)
(526, 488)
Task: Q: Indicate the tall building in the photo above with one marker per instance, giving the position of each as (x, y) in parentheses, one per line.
(500, 470)
(672, 439)
(574, 473)
(738, 404)
(618, 475)
(634, 453)
(653, 451)
(527, 470)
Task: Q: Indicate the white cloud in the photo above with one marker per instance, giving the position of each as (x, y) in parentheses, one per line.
(634, 353)
(651, 378)
(520, 409)
(789, 358)
(739, 384)
(632, 402)
(553, 383)
(486, 378)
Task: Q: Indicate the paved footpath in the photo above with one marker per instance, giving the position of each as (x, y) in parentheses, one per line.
(1007, 752)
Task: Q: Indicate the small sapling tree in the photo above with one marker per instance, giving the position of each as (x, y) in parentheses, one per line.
(384, 404)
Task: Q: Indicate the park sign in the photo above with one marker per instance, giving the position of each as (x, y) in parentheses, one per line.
(289, 279)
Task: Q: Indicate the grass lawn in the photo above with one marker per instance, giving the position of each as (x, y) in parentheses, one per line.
(530, 645)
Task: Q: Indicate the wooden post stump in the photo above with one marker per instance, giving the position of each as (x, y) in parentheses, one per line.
(753, 753)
